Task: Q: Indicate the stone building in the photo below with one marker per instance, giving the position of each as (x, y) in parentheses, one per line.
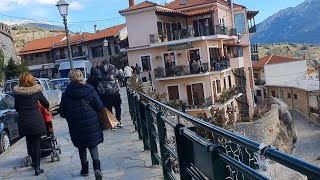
(43, 56)
(7, 44)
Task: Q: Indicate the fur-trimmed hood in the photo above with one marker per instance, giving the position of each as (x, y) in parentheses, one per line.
(27, 90)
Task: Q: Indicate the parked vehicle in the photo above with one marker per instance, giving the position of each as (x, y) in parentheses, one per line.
(83, 65)
(8, 122)
(52, 94)
(61, 83)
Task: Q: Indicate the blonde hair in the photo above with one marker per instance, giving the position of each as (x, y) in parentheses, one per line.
(76, 76)
(26, 80)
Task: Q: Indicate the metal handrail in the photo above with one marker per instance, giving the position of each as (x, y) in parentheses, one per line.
(311, 171)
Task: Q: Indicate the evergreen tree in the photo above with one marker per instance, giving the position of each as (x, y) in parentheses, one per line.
(12, 69)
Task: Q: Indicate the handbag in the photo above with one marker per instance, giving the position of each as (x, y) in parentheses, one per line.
(107, 119)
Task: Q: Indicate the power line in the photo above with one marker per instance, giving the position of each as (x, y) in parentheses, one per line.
(75, 22)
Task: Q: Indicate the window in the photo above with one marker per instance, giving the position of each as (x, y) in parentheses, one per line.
(7, 88)
(258, 92)
(145, 61)
(289, 95)
(13, 84)
(273, 93)
(310, 77)
(9, 100)
(317, 76)
(45, 85)
(97, 51)
(224, 84)
(218, 86)
(48, 55)
(169, 61)
(3, 105)
(295, 96)
(38, 55)
(51, 86)
(173, 92)
(230, 82)
(195, 94)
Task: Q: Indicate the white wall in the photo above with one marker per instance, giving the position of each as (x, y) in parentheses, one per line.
(140, 26)
(285, 72)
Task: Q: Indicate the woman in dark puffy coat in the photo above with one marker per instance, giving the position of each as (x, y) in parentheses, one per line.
(80, 105)
(31, 124)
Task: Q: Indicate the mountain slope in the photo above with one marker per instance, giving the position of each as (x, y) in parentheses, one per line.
(36, 24)
(300, 24)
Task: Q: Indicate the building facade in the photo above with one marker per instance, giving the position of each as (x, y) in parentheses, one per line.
(43, 56)
(197, 52)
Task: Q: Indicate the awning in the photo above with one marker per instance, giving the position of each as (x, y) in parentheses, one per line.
(251, 14)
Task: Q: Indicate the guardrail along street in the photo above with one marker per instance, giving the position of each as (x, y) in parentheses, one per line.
(175, 143)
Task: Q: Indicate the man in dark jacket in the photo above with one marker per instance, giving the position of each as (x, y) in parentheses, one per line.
(108, 88)
(80, 105)
(93, 79)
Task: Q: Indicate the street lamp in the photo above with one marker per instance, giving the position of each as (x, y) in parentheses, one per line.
(105, 44)
(63, 10)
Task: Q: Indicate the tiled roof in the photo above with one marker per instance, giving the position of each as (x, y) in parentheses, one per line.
(189, 13)
(109, 32)
(46, 44)
(142, 5)
(273, 60)
(310, 71)
(180, 4)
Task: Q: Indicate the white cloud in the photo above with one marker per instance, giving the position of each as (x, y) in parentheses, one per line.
(76, 5)
(6, 5)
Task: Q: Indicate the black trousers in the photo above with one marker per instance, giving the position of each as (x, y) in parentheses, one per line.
(93, 152)
(113, 101)
(34, 143)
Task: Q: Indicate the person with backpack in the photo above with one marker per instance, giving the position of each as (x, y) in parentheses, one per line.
(108, 88)
(80, 105)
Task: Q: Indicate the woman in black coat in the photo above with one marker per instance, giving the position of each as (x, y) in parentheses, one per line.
(80, 105)
(31, 124)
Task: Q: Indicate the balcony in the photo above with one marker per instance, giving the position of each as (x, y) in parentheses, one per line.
(254, 57)
(190, 33)
(253, 29)
(259, 82)
(237, 62)
(194, 70)
(227, 96)
(191, 104)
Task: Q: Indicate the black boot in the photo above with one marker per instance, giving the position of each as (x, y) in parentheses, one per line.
(37, 170)
(97, 169)
(85, 169)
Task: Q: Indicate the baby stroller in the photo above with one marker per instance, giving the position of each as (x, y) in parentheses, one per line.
(48, 144)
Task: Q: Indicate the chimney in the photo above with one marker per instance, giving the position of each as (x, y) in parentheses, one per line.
(95, 28)
(131, 3)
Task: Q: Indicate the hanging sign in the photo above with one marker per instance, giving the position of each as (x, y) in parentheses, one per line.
(181, 46)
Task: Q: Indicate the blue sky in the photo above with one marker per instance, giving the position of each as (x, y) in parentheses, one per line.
(88, 10)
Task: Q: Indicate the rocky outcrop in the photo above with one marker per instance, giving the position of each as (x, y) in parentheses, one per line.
(275, 128)
(7, 46)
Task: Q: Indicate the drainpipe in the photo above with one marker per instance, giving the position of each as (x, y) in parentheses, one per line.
(292, 98)
(232, 12)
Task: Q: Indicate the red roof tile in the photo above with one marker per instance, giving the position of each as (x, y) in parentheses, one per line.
(46, 44)
(142, 5)
(273, 60)
(200, 11)
(179, 4)
(189, 13)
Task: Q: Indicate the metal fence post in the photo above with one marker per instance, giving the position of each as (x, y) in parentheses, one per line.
(181, 148)
(138, 121)
(143, 124)
(166, 168)
(152, 138)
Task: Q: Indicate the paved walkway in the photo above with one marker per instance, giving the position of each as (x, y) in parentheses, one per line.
(122, 156)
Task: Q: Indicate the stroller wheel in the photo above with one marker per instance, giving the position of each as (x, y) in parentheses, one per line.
(52, 157)
(59, 149)
(58, 155)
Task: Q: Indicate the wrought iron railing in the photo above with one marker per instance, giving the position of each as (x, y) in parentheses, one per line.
(259, 82)
(175, 144)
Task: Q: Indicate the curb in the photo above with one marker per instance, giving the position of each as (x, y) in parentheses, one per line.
(13, 146)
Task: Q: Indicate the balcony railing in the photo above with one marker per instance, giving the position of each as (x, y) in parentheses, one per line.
(183, 70)
(259, 82)
(254, 57)
(174, 141)
(253, 29)
(189, 33)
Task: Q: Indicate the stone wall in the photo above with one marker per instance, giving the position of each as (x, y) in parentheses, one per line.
(7, 46)
(264, 130)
